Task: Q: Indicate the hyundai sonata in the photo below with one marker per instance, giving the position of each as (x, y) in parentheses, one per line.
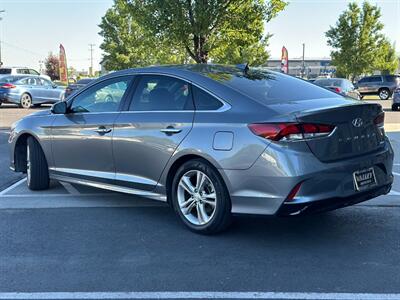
(212, 141)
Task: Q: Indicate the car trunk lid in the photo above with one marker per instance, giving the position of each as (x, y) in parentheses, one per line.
(355, 134)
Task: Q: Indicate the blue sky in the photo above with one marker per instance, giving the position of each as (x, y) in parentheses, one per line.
(32, 28)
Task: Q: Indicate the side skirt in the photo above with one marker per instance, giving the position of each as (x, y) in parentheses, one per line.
(110, 187)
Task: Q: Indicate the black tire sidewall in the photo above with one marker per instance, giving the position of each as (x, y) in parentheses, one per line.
(39, 179)
(222, 215)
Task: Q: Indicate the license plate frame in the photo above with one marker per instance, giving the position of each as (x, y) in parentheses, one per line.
(364, 179)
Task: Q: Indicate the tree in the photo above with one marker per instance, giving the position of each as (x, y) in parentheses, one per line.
(128, 44)
(230, 30)
(52, 66)
(357, 40)
(387, 61)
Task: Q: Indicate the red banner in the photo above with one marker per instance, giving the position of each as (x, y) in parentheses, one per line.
(285, 61)
(63, 65)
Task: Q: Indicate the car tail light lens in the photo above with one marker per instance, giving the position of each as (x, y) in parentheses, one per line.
(8, 86)
(337, 90)
(380, 120)
(290, 131)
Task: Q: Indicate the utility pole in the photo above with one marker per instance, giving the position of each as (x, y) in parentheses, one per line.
(1, 62)
(91, 59)
(303, 69)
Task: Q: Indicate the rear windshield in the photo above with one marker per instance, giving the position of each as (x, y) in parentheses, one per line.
(10, 78)
(265, 86)
(5, 71)
(392, 78)
(328, 82)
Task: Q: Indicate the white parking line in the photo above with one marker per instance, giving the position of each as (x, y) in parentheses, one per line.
(394, 193)
(70, 188)
(12, 186)
(198, 295)
(396, 174)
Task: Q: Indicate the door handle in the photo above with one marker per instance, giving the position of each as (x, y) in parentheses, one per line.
(103, 130)
(170, 130)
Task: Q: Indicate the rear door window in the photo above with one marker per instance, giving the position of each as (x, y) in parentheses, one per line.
(161, 93)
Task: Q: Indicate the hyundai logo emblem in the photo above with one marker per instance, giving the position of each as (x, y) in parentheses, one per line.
(358, 122)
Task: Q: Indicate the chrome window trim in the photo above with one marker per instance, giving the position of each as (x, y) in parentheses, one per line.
(225, 105)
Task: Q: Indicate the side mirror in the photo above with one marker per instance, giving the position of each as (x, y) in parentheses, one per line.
(59, 108)
(55, 86)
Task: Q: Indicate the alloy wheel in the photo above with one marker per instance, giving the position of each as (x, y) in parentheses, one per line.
(384, 94)
(196, 197)
(26, 101)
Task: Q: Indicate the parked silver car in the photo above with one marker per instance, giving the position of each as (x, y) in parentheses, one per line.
(381, 85)
(339, 85)
(212, 141)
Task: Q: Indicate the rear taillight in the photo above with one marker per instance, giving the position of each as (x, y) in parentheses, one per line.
(337, 90)
(8, 86)
(380, 120)
(290, 131)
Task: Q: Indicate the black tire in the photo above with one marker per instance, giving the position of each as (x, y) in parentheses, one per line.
(37, 168)
(384, 94)
(222, 216)
(395, 107)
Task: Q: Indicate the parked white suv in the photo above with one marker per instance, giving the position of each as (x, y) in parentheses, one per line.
(20, 71)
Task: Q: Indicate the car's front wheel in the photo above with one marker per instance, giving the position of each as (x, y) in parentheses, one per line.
(200, 198)
(384, 94)
(37, 170)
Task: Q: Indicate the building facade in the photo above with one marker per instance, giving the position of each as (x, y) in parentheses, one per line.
(313, 68)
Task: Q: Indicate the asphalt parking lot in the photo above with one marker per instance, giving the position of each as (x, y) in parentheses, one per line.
(74, 242)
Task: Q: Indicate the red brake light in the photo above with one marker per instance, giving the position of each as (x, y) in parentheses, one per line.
(380, 119)
(290, 131)
(8, 86)
(338, 90)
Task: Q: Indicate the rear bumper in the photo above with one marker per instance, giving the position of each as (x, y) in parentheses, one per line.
(291, 209)
(264, 187)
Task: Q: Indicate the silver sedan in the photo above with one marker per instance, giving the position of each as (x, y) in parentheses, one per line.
(212, 141)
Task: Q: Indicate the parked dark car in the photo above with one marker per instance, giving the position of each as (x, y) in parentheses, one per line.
(381, 85)
(396, 99)
(339, 85)
(73, 87)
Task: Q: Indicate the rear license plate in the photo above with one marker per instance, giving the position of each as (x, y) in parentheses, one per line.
(364, 179)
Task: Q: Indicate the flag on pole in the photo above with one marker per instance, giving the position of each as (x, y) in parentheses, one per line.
(63, 65)
(285, 61)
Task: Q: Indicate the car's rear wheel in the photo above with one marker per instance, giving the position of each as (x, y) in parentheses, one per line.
(37, 170)
(200, 198)
(384, 94)
(395, 107)
(26, 100)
